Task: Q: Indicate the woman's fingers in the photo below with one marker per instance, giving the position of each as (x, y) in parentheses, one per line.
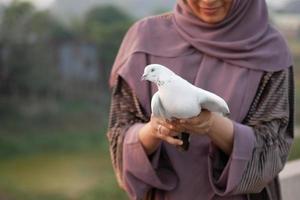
(204, 116)
(173, 126)
(165, 131)
(167, 135)
(201, 128)
(173, 141)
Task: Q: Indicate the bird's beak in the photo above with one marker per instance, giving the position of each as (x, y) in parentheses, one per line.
(144, 77)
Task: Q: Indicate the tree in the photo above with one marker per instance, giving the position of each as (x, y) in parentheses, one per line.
(106, 26)
(27, 54)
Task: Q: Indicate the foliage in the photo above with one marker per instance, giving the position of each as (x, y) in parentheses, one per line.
(29, 42)
(106, 26)
(27, 54)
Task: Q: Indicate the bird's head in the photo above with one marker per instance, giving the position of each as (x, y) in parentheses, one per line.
(157, 73)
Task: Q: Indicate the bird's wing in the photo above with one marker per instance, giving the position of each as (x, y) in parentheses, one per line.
(157, 107)
(214, 103)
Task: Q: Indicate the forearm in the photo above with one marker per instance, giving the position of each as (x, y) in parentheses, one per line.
(221, 133)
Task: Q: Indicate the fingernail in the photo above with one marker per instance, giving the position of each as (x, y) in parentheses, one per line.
(180, 143)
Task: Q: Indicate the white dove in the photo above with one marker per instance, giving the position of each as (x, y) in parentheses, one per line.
(177, 98)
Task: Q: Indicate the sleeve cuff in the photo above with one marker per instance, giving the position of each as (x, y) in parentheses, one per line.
(141, 173)
(232, 172)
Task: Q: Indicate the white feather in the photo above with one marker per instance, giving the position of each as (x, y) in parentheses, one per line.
(177, 97)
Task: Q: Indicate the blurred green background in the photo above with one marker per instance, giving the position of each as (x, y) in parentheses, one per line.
(54, 97)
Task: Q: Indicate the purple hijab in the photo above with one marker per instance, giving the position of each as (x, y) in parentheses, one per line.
(227, 58)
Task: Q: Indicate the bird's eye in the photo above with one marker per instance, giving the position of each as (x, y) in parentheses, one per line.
(152, 70)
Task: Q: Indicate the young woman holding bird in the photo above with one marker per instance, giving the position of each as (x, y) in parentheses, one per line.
(226, 47)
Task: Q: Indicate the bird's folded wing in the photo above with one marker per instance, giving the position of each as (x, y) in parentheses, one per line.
(157, 107)
(215, 104)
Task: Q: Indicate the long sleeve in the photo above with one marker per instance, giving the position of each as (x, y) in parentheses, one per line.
(135, 171)
(124, 112)
(261, 143)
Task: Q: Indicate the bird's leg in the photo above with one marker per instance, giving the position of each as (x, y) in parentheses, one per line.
(185, 137)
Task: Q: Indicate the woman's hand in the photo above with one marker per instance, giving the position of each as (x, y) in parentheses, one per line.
(215, 126)
(199, 125)
(157, 130)
(165, 130)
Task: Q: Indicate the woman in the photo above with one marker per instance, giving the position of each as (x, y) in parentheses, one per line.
(223, 46)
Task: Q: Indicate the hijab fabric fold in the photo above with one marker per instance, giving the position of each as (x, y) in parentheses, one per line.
(244, 38)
